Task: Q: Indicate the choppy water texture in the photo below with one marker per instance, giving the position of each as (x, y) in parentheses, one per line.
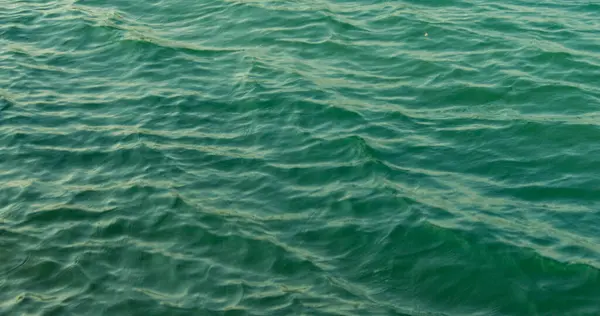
(307, 157)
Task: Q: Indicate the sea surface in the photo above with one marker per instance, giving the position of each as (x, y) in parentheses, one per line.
(300, 157)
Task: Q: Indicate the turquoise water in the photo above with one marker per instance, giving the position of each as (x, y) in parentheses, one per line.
(307, 157)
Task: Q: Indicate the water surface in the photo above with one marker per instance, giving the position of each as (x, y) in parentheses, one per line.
(307, 157)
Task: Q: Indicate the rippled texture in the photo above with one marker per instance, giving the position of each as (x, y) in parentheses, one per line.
(307, 157)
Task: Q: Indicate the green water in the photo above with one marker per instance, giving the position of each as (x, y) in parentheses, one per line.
(301, 157)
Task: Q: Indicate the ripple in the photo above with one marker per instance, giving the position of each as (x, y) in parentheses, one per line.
(250, 157)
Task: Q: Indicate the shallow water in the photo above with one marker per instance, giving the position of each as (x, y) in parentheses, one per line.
(308, 157)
